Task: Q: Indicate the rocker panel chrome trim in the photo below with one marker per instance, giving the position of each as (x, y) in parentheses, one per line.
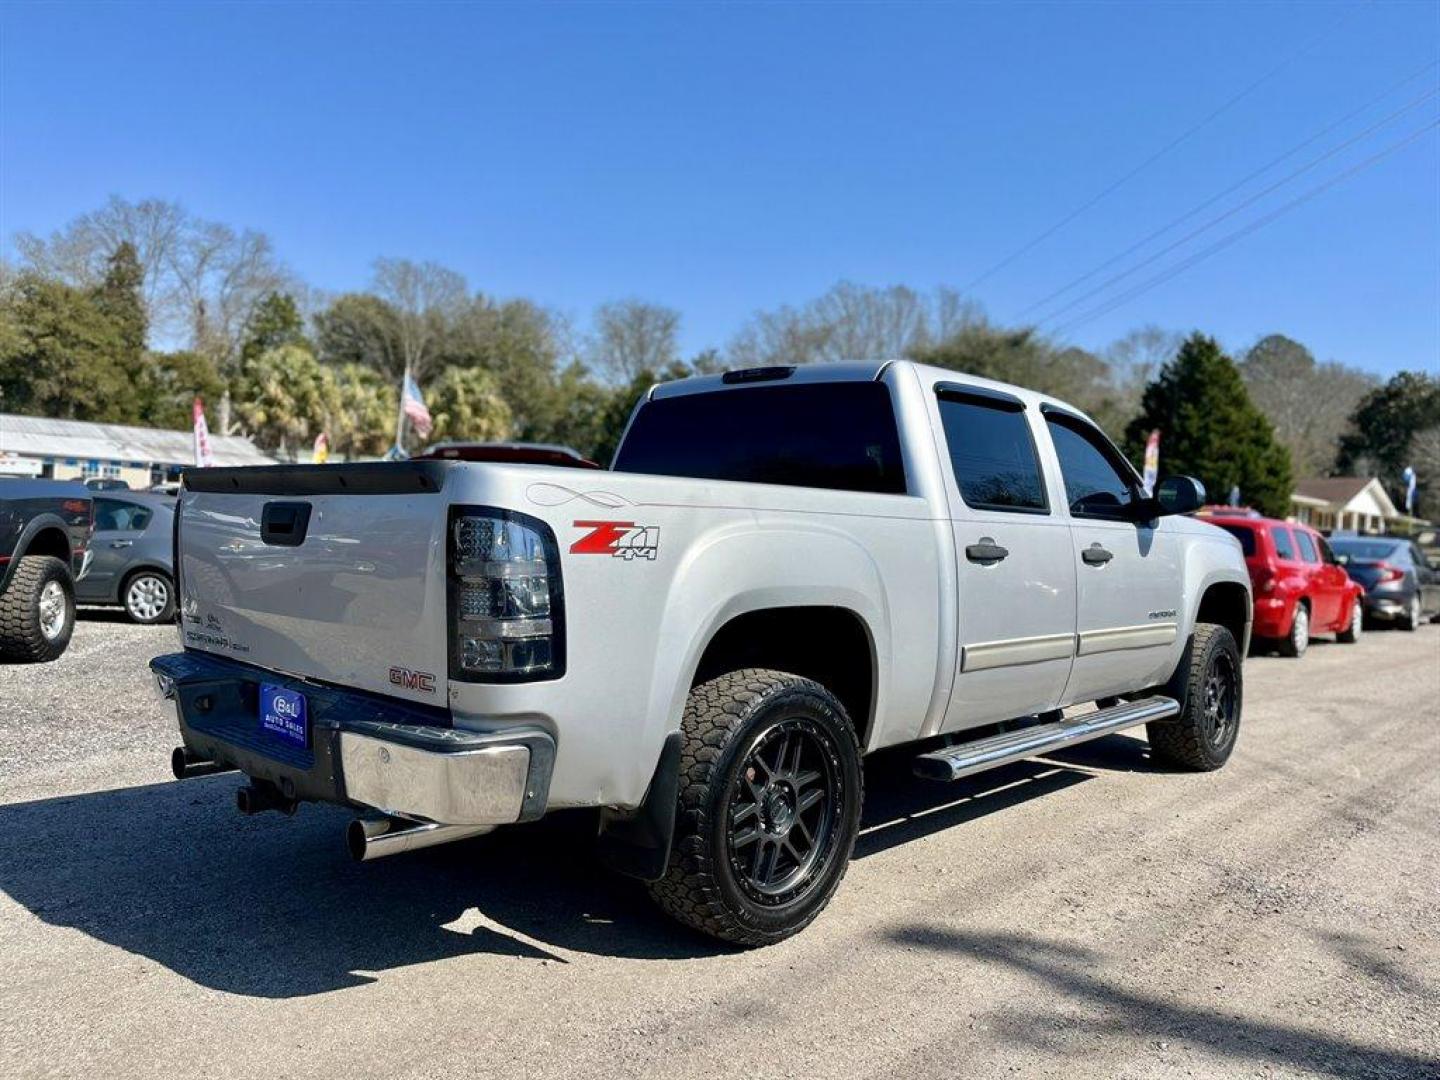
(1127, 637)
(1029, 650)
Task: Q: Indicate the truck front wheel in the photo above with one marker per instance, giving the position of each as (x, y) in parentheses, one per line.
(1210, 690)
(769, 807)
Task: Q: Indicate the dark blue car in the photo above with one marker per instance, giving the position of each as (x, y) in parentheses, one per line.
(1401, 587)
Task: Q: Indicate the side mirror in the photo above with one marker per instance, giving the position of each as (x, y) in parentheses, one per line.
(1178, 495)
(1342, 558)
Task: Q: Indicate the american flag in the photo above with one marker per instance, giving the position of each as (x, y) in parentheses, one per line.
(413, 405)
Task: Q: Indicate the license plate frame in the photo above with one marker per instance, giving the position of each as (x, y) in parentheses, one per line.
(284, 714)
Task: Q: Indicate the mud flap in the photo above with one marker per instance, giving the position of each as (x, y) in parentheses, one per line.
(637, 842)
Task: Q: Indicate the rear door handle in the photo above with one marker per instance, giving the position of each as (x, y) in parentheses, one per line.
(121, 543)
(1095, 555)
(986, 551)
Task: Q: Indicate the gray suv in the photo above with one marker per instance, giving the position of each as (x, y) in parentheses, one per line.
(133, 563)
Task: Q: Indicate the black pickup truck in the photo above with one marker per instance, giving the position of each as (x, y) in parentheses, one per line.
(45, 529)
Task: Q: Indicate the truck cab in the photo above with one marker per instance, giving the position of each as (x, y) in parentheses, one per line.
(790, 567)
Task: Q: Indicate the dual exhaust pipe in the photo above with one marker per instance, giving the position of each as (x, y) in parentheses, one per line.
(366, 839)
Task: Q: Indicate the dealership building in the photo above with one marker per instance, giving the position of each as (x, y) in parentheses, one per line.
(78, 450)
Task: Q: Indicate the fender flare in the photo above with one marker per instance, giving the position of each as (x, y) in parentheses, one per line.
(36, 525)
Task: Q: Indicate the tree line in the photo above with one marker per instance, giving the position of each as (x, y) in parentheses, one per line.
(134, 308)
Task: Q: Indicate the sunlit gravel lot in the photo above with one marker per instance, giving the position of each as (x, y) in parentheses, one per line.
(1089, 915)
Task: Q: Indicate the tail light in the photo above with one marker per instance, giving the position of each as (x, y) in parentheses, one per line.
(1388, 572)
(1265, 582)
(507, 619)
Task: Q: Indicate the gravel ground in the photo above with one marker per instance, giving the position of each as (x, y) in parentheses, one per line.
(1086, 915)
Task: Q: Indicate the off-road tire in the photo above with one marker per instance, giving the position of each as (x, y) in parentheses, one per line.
(1297, 640)
(1189, 741)
(1354, 626)
(22, 641)
(725, 720)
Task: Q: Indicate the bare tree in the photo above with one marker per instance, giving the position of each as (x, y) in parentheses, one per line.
(853, 322)
(221, 275)
(77, 254)
(1134, 360)
(201, 278)
(427, 299)
(632, 337)
(1425, 460)
(1308, 403)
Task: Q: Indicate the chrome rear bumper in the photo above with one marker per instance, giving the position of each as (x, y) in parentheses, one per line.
(486, 785)
(364, 751)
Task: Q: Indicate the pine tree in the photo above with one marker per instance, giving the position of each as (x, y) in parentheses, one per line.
(1211, 430)
(275, 322)
(118, 298)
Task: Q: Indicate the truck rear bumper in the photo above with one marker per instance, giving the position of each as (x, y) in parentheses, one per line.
(362, 750)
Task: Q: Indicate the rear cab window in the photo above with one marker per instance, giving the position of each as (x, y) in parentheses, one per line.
(838, 435)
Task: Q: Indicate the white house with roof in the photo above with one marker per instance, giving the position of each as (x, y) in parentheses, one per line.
(77, 449)
(1343, 503)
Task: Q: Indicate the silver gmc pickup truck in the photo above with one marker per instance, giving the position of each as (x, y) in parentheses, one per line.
(783, 570)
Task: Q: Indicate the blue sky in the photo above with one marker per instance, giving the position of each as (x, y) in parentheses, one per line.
(723, 159)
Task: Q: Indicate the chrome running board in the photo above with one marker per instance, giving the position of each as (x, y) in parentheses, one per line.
(964, 759)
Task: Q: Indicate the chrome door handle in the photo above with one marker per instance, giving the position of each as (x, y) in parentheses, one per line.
(986, 551)
(1095, 555)
(121, 543)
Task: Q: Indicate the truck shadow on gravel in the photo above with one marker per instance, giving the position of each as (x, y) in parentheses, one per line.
(1074, 981)
(272, 907)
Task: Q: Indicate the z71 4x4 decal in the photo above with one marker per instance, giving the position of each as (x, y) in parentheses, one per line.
(620, 539)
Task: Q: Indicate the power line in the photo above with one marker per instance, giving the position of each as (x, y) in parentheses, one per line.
(1243, 231)
(1158, 154)
(1228, 191)
(1241, 205)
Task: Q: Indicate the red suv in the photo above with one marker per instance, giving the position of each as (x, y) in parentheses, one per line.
(1299, 588)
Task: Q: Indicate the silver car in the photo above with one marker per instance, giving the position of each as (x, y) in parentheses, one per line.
(133, 563)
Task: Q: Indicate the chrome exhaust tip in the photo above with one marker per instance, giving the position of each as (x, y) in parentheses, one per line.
(186, 765)
(367, 839)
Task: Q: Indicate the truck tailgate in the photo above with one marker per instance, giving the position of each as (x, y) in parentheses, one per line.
(335, 573)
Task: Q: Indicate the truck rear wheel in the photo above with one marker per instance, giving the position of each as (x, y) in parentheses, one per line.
(37, 611)
(1203, 735)
(769, 807)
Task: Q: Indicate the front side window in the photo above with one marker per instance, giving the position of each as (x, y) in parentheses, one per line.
(992, 455)
(1283, 547)
(1307, 546)
(827, 435)
(1095, 485)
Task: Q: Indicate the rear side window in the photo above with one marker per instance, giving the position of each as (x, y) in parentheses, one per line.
(823, 435)
(114, 516)
(1245, 535)
(1283, 547)
(992, 455)
(1307, 546)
